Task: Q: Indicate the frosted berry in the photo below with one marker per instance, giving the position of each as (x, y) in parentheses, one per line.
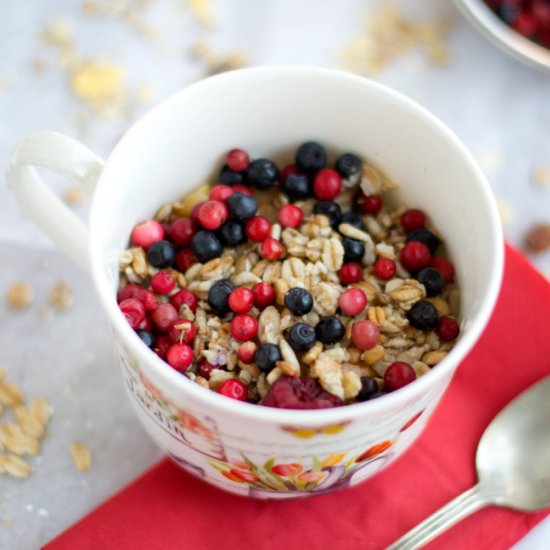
(327, 184)
(212, 214)
(271, 249)
(257, 228)
(311, 156)
(350, 273)
(415, 256)
(294, 392)
(352, 302)
(164, 316)
(146, 233)
(244, 327)
(221, 192)
(185, 259)
(237, 160)
(234, 389)
(179, 356)
(182, 231)
(365, 334)
(247, 352)
(163, 282)
(161, 254)
(384, 268)
(264, 295)
(413, 219)
(182, 330)
(447, 329)
(290, 215)
(241, 300)
(397, 375)
(367, 204)
(445, 267)
(187, 297)
(133, 311)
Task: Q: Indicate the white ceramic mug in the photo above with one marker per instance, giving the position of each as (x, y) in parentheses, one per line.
(244, 448)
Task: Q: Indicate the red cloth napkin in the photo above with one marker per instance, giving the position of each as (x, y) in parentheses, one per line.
(168, 509)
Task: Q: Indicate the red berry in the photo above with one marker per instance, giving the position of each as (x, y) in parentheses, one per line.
(185, 296)
(244, 327)
(183, 330)
(163, 282)
(133, 311)
(350, 273)
(289, 170)
(167, 229)
(291, 215)
(327, 184)
(243, 189)
(182, 231)
(164, 316)
(129, 291)
(447, 329)
(294, 392)
(205, 368)
(185, 259)
(264, 295)
(234, 388)
(220, 192)
(414, 256)
(247, 352)
(241, 300)
(146, 233)
(257, 228)
(271, 249)
(179, 356)
(212, 214)
(162, 344)
(195, 211)
(352, 302)
(445, 267)
(367, 204)
(238, 160)
(384, 268)
(365, 334)
(146, 324)
(148, 299)
(413, 219)
(397, 375)
(526, 23)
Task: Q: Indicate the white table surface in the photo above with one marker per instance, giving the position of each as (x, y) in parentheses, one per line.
(498, 107)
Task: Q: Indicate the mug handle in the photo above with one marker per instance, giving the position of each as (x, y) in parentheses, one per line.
(68, 158)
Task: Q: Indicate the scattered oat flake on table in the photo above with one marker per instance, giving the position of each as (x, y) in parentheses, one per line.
(202, 10)
(75, 196)
(20, 295)
(541, 176)
(505, 211)
(81, 455)
(538, 238)
(61, 296)
(15, 466)
(99, 83)
(218, 63)
(388, 35)
(490, 161)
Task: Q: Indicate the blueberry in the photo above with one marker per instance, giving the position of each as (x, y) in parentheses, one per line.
(266, 357)
(230, 177)
(353, 219)
(349, 166)
(311, 156)
(297, 187)
(263, 173)
(330, 330)
(242, 206)
(206, 246)
(232, 233)
(219, 294)
(369, 389)
(161, 254)
(299, 301)
(330, 209)
(147, 337)
(353, 250)
(423, 315)
(426, 237)
(301, 337)
(431, 279)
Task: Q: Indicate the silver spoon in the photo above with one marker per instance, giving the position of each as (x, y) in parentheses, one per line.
(513, 467)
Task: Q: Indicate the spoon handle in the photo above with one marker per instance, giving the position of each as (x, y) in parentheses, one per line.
(463, 505)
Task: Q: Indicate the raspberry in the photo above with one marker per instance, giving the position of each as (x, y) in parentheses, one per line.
(293, 392)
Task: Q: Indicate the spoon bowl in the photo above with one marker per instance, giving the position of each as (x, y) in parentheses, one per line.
(512, 462)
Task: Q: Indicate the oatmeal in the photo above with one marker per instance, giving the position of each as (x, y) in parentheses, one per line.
(293, 288)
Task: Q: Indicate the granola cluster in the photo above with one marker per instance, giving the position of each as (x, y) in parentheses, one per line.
(376, 304)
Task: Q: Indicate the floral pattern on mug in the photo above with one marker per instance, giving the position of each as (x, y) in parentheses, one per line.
(308, 432)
